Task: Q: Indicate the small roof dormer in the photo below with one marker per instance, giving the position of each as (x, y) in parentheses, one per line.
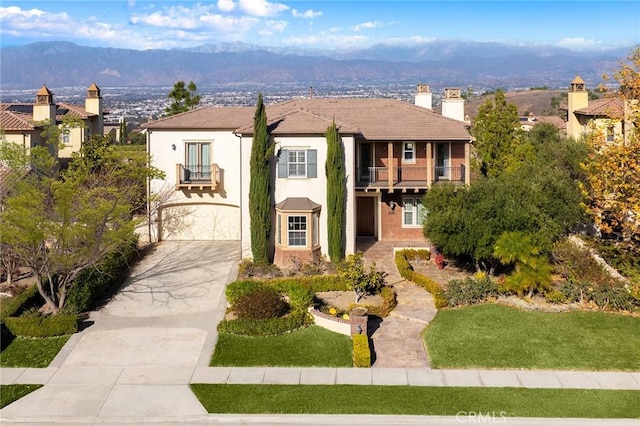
(44, 96)
(93, 92)
(577, 85)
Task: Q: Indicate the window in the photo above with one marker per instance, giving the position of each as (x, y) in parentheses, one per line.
(412, 212)
(298, 163)
(610, 134)
(279, 228)
(197, 161)
(408, 152)
(65, 138)
(297, 231)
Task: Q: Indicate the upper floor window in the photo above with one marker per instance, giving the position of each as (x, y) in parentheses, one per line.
(65, 139)
(610, 134)
(298, 163)
(198, 160)
(412, 212)
(408, 152)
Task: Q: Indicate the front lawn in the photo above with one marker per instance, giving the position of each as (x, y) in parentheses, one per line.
(10, 393)
(415, 400)
(497, 336)
(32, 352)
(309, 347)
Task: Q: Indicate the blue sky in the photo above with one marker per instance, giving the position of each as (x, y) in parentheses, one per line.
(145, 24)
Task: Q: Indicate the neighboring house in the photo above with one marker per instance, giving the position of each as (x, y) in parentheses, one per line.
(527, 123)
(394, 152)
(605, 115)
(21, 122)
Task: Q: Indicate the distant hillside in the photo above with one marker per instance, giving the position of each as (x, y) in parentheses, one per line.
(438, 63)
(535, 101)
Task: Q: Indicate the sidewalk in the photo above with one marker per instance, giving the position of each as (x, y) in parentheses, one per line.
(322, 376)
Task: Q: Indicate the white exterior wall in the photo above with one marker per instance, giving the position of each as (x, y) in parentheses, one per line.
(203, 214)
(453, 108)
(313, 188)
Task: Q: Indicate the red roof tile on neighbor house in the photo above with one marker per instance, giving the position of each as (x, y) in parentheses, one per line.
(605, 107)
(10, 120)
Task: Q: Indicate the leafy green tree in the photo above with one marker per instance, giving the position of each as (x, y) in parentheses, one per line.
(539, 193)
(496, 129)
(184, 98)
(336, 196)
(58, 224)
(260, 185)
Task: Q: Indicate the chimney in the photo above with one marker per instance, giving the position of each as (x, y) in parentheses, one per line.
(453, 104)
(45, 108)
(424, 97)
(93, 105)
(577, 98)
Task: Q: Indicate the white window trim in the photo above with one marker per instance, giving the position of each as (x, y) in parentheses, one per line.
(404, 151)
(417, 212)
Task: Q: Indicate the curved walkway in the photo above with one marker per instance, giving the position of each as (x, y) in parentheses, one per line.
(397, 340)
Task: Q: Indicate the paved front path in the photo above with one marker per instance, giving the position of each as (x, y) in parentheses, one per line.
(397, 340)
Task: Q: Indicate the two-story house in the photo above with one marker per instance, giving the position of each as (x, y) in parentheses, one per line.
(394, 152)
(21, 123)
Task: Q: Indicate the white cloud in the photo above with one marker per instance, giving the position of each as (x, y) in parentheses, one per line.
(230, 24)
(368, 25)
(226, 5)
(174, 17)
(578, 43)
(309, 14)
(272, 27)
(14, 18)
(329, 40)
(262, 8)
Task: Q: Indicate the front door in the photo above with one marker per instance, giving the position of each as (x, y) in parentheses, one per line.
(365, 216)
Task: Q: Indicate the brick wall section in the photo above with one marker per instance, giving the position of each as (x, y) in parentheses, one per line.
(457, 154)
(289, 258)
(358, 321)
(392, 229)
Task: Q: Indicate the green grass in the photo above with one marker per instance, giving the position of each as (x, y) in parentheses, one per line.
(309, 347)
(32, 352)
(497, 336)
(10, 393)
(414, 400)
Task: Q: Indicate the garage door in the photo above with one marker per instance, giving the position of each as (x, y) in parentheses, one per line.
(210, 222)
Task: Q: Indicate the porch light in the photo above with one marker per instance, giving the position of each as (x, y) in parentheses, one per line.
(173, 146)
(392, 205)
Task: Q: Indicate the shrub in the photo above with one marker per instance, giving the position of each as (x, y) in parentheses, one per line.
(555, 296)
(94, 284)
(611, 295)
(576, 263)
(268, 327)
(416, 254)
(25, 300)
(260, 303)
(389, 303)
(361, 351)
(407, 272)
(314, 283)
(358, 279)
(239, 288)
(42, 326)
(470, 291)
(249, 269)
(299, 297)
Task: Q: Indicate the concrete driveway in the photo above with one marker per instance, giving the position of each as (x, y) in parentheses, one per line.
(138, 355)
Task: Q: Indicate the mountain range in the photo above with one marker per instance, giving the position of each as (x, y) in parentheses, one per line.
(439, 63)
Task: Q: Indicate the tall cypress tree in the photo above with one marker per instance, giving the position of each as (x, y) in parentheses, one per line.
(260, 186)
(336, 199)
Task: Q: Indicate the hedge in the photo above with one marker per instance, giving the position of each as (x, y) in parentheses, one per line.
(389, 303)
(361, 351)
(269, 327)
(42, 326)
(21, 302)
(407, 272)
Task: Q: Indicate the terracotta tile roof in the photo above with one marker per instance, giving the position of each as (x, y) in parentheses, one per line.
(206, 118)
(12, 121)
(63, 109)
(375, 119)
(300, 121)
(605, 107)
(553, 119)
(385, 119)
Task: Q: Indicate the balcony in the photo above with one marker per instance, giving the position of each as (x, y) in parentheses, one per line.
(408, 177)
(197, 176)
